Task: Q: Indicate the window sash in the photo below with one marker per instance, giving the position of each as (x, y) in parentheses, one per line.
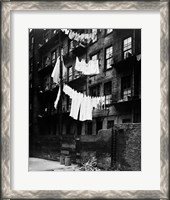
(109, 57)
(127, 46)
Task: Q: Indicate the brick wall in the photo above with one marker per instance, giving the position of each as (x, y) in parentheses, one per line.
(125, 144)
(129, 154)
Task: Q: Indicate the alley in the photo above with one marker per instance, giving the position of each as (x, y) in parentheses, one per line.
(38, 164)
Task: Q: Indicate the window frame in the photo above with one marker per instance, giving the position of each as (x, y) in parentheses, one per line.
(97, 87)
(127, 50)
(110, 58)
(53, 52)
(108, 97)
(123, 88)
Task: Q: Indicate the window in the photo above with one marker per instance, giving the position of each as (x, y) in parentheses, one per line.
(108, 88)
(95, 57)
(127, 47)
(109, 30)
(109, 57)
(95, 91)
(124, 121)
(69, 73)
(89, 128)
(137, 115)
(99, 125)
(53, 58)
(47, 61)
(108, 92)
(126, 87)
(110, 124)
(47, 83)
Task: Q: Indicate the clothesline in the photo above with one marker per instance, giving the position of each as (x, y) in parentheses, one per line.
(82, 105)
(83, 37)
(90, 68)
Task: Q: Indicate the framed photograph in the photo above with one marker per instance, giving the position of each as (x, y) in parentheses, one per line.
(84, 99)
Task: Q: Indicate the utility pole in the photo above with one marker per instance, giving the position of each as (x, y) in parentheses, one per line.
(61, 87)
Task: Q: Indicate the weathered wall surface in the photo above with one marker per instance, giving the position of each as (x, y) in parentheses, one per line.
(129, 142)
(124, 142)
(47, 147)
(123, 145)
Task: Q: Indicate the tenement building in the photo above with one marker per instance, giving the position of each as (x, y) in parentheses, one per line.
(100, 66)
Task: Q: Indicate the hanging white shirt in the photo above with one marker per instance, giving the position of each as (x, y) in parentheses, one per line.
(56, 71)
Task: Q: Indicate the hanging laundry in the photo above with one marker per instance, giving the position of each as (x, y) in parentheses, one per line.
(89, 108)
(75, 105)
(90, 68)
(71, 35)
(68, 90)
(64, 68)
(83, 105)
(66, 31)
(58, 97)
(84, 37)
(56, 71)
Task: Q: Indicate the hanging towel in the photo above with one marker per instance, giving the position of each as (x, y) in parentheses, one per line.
(75, 106)
(82, 116)
(57, 99)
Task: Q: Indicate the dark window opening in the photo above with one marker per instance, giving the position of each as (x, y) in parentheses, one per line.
(110, 124)
(53, 58)
(89, 128)
(99, 125)
(95, 91)
(126, 89)
(126, 121)
(137, 115)
(108, 92)
(47, 83)
(79, 127)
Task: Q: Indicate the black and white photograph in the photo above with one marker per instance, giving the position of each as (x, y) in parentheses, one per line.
(84, 99)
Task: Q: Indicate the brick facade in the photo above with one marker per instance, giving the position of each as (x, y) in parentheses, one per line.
(45, 121)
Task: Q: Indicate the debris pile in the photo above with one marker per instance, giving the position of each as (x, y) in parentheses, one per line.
(90, 165)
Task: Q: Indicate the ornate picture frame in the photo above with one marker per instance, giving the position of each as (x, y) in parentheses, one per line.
(6, 8)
